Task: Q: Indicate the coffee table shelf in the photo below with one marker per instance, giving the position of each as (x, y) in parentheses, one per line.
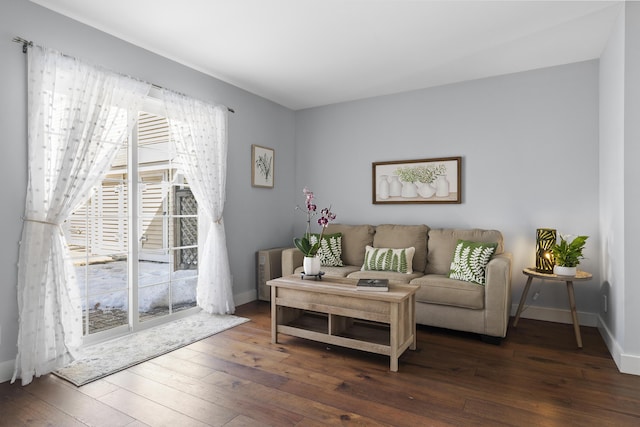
(334, 312)
(350, 330)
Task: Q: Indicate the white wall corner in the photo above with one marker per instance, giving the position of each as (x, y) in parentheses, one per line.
(626, 363)
(629, 364)
(245, 297)
(6, 370)
(556, 315)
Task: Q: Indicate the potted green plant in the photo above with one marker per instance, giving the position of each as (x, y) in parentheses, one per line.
(567, 255)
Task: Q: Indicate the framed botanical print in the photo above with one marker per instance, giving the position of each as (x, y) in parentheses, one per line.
(435, 180)
(262, 166)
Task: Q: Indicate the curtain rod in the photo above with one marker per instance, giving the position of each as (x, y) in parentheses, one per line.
(26, 44)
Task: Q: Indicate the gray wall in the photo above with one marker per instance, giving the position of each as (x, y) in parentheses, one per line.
(256, 121)
(529, 143)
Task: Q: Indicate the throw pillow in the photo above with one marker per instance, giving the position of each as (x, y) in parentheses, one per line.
(389, 259)
(330, 251)
(470, 261)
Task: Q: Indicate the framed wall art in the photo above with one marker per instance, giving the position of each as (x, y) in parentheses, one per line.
(262, 166)
(435, 180)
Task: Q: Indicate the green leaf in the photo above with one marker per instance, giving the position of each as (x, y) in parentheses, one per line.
(569, 254)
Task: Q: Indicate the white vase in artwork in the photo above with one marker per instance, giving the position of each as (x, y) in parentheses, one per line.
(311, 265)
(409, 190)
(383, 190)
(442, 186)
(395, 187)
(426, 190)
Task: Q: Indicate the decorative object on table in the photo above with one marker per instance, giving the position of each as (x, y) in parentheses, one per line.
(373, 285)
(437, 180)
(317, 276)
(567, 255)
(310, 250)
(262, 166)
(545, 240)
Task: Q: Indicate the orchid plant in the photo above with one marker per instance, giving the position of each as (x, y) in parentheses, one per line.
(326, 216)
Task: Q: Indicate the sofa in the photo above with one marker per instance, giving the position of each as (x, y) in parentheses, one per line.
(441, 301)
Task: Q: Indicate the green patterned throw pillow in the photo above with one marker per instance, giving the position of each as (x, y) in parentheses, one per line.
(470, 261)
(330, 251)
(388, 259)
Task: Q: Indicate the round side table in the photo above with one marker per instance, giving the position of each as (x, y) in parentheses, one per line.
(533, 274)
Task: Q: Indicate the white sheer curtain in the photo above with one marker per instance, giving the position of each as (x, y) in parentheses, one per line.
(201, 142)
(78, 118)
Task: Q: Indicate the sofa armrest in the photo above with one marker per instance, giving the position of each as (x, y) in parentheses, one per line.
(292, 258)
(498, 295)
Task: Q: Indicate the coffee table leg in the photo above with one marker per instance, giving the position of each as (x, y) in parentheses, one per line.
(393, 331)
(574, 314)
(412, 317)
(274, 316)
(523, 298)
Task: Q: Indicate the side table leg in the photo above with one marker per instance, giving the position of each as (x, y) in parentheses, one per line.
(523, 298)
(574, 315)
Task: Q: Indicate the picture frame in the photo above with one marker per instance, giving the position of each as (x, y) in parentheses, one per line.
(262, 166)
(436, 180)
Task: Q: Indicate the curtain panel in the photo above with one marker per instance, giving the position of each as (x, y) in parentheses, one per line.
(78, 117)
(200, 131)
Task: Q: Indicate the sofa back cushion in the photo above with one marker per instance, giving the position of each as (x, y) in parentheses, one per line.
(354, 239)
(442, 243)
(404, 236)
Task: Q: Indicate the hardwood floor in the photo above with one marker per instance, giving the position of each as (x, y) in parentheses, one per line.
(536, 377)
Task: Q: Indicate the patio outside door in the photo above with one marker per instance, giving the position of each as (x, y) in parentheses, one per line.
(134, 242)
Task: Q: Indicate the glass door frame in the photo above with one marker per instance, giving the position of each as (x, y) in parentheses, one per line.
(152, 105)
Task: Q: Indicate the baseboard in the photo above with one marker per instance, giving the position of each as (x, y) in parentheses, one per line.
(556, 315)
(626, 363)
(245, 297)
(6, 370)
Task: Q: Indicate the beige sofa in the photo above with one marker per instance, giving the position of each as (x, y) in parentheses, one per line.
(440, 301)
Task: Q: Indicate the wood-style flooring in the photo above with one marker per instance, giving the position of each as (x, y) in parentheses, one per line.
(536, 377)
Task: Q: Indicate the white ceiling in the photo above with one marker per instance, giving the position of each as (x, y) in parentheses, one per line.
(306, 53)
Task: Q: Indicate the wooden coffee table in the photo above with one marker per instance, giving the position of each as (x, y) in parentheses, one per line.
(332, 311)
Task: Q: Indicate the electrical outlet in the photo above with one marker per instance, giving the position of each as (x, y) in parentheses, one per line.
(604, 303)
(536, 295)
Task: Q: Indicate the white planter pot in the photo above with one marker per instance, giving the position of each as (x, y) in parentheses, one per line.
(564, 271)
(311, 265)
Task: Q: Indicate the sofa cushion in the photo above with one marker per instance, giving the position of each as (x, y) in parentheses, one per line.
(389, 259)
(404, 236)
(439, 289)
(470, 261)
(442, 242)
(330, 251)
(354, 239)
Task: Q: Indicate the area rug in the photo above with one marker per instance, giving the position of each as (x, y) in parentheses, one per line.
(99, 360)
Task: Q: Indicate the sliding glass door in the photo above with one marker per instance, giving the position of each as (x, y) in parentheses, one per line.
(134, 242)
